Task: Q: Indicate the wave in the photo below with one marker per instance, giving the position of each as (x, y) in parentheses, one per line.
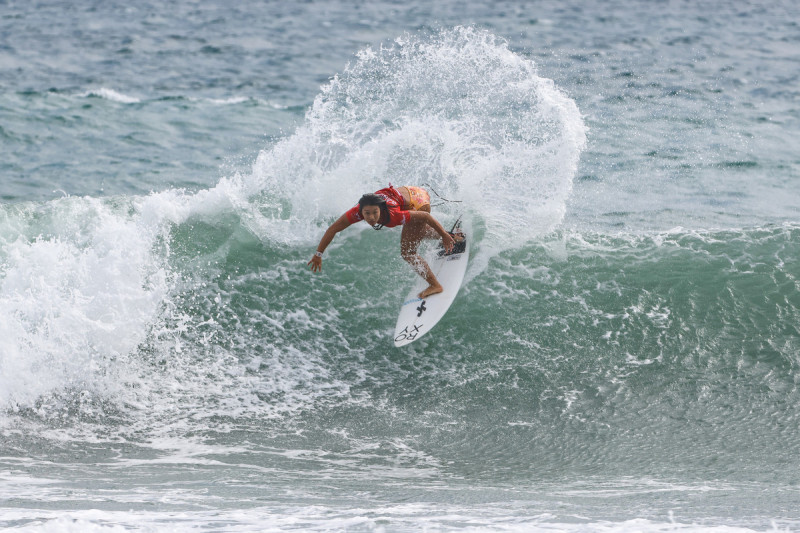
(127, 297)
(169, 313)
(112, 95)
(115, 96)
(119, 297)
(187, 306)
(402, 517)
(122, 98)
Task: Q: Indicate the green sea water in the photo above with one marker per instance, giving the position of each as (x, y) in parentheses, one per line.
(623, 355)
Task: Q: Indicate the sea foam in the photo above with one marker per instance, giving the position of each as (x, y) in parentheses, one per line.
(456, 111)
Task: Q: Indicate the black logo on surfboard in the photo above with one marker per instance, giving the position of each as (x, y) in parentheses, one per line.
(408, 335)
(421, 309)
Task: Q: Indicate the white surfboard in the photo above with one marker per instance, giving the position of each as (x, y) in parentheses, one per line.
(417, 315)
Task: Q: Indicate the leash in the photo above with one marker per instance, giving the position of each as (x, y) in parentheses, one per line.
(440, 196)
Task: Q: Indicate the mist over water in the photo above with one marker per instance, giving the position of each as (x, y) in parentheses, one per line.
(168, 362)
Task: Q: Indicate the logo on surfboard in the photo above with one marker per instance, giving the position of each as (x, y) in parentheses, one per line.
(408, 335)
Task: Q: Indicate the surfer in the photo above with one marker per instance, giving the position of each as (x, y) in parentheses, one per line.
(390, 207)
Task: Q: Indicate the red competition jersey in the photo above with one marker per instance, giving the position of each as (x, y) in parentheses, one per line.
(394, 201)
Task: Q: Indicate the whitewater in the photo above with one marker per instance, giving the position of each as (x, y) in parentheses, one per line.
(623, 355)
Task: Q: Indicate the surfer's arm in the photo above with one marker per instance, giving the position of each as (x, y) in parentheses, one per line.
(340, 224)
(447, 239)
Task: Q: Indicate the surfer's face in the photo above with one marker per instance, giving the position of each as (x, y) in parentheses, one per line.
(371, 213)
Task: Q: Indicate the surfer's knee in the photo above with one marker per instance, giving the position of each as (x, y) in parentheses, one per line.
(409, 256)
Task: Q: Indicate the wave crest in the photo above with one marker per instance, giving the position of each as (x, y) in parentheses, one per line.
(454, 110)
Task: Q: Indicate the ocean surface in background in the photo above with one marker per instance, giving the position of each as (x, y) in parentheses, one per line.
(624, 355)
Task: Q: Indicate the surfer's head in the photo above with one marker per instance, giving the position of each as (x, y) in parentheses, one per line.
(373, 208)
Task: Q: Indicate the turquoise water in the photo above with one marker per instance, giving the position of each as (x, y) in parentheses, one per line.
(622, 357)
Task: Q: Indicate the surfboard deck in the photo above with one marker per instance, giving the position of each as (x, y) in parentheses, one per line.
(418, 316)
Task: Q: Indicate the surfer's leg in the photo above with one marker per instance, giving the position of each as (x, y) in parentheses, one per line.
(413, 232)
(427, 231)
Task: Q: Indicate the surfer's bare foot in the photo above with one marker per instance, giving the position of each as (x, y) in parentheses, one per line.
(431, 290)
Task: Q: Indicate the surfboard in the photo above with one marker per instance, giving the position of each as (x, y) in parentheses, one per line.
(417, 315)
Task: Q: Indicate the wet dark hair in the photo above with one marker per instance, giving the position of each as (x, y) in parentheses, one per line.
(380, 201)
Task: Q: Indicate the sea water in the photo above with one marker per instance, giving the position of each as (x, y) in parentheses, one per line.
(624, 355)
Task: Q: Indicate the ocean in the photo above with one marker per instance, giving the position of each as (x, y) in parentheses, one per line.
(624, 355)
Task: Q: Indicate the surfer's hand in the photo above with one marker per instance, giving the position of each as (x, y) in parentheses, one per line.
(315, 263)
(448, 242)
